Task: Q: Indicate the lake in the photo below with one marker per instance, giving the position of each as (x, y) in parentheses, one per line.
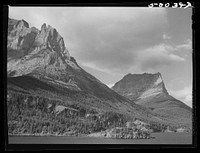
(159, 138)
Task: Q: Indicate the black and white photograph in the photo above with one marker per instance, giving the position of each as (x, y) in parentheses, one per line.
(100, 75)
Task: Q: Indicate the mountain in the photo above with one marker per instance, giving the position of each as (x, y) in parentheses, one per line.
(40, 67)
(138, 86)
(149, 90)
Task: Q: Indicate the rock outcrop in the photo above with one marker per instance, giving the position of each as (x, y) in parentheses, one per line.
(133, 132)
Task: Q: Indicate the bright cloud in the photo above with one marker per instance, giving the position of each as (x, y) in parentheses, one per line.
(184, 95)
(186, 46)
(162, 54)
(93, 66)
(176, 57)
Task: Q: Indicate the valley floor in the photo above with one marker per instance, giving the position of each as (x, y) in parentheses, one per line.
(158, 138)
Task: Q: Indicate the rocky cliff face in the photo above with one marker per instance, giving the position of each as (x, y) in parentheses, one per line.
(31, 49)
(136, 86)
(25, 39)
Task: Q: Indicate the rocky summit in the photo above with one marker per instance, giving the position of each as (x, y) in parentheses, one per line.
(32, 49)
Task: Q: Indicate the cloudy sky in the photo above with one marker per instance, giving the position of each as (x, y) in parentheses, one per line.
(110, 42)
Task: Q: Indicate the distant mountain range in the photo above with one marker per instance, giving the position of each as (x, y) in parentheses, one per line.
(39, 64)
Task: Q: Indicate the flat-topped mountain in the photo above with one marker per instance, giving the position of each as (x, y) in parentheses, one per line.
(149, 90)
(136, 86)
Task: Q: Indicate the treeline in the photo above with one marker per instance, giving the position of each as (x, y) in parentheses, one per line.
(158, 127)
(29, 114)
(33, 114)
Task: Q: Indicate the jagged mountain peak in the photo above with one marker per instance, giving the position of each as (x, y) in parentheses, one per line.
(43, 27)
(20, 36)
(30, 48)
(20, 23)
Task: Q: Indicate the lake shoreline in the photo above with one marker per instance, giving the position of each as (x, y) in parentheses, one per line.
(159, 138)
(38, 134)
